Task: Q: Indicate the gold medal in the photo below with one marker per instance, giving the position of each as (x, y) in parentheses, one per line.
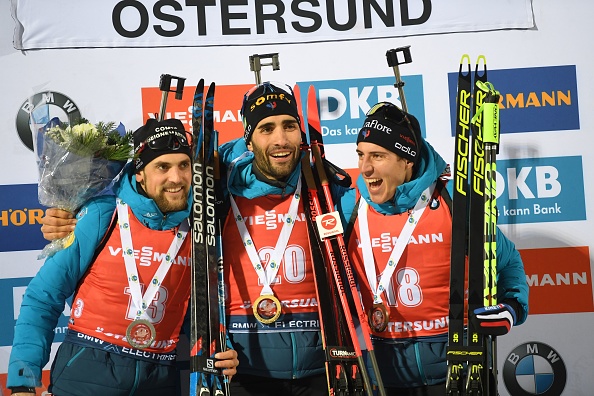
(267, 308)
(378, 318)
(140, 334)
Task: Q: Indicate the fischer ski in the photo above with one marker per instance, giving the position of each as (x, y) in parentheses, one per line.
(477, 379)
(205, 336)
(338, 265)
(454, 381)
(473, 232)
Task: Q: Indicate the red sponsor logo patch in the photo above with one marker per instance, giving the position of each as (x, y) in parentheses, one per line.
(560, 279)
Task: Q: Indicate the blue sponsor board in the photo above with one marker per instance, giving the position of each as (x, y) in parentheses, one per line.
(535, 99)
(20, 218)
(343, 103)
(538, 190)
(11, 295)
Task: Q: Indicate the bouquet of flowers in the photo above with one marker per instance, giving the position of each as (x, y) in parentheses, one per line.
(77, 162)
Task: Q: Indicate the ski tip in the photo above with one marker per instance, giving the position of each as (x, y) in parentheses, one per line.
(481, 62)
(299, 103)
(199, 92)
(210, 94)
(465, 65)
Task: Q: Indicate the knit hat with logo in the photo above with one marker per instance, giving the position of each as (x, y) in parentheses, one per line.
(393, 129)
(156, 138)
(265, 100)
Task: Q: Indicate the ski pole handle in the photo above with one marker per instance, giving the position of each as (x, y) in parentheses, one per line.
(490, 111)
(165, 87)
(393, 62)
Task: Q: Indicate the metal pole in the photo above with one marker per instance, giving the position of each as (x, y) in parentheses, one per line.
(256, 64)
(165, 87)
(393, 62)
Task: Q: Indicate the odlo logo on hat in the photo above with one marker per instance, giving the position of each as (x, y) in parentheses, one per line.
(390, 135)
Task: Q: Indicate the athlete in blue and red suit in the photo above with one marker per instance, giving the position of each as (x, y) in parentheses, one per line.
(279, 343)
(280, 358)
(127, 309)
(397, 166)
(272, 310)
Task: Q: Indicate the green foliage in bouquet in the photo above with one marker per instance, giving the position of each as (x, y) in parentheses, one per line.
(87, 140)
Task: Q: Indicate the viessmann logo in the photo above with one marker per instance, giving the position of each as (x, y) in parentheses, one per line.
(536, 99)
(226, 113)
(561, 272)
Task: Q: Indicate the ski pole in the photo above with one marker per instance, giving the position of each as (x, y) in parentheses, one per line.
(165, 87)
(394, 62)
(490, 130)
(256, 64)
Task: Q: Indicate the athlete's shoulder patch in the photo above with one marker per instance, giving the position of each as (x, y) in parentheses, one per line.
(82, 213)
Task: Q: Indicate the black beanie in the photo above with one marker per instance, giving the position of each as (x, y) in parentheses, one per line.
(156, 138)
(393, 129)
(263, 101)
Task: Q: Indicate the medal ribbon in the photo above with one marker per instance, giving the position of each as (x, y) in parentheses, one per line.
(141, 303)
(266, 275)
(413, 219)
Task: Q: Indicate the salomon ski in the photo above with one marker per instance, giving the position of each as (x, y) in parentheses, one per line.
(205, 338)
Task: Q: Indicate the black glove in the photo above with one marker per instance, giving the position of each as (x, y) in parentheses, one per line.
(495, 320)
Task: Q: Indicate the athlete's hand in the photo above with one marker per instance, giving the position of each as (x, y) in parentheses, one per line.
(57, 223)
(228, 361)
(22, 394)
(495, 320)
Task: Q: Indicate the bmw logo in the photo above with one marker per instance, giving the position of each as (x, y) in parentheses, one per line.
(533, 369)
(39, 109)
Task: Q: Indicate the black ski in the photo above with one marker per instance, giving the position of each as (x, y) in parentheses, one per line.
(477, 380)
(342, 372)
(204, 304)
(338, 264)
(468, 221)
(455, 352)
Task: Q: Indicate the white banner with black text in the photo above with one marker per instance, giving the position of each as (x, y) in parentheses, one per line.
(167, 23)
